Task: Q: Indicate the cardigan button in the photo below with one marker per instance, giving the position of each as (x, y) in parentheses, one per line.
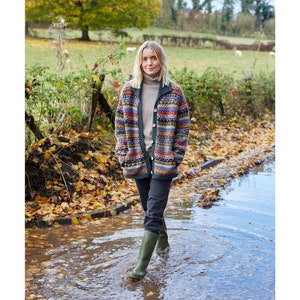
(155, 110)
(153, 125)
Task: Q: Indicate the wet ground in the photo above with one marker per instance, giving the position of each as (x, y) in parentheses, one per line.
(225, 253)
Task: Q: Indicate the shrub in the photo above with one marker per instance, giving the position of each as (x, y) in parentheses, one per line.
(215, 95)
(61, 101)
(257, 94)
(57, 101)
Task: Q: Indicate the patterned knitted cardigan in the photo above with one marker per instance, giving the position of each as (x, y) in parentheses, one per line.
(171, 125)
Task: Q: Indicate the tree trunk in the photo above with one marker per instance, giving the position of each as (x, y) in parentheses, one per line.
(27, 29)
(97, 96)
(85, 33)
(106, 109)
(29, 120)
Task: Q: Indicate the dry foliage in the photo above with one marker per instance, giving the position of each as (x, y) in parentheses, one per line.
(77, 174)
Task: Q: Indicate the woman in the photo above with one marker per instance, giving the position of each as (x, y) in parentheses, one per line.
(152, 128)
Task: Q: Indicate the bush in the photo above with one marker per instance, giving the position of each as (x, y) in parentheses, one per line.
(59, 102)
(257, 94)
(215, 95)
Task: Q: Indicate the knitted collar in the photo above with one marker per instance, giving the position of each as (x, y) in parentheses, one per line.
(151, 80)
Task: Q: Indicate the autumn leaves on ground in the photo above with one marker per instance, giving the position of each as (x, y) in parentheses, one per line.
(78, 173)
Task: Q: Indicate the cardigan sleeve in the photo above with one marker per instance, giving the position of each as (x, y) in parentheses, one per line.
(182, 129)
(120, 134)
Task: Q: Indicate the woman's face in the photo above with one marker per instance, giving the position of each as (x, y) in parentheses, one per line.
(150, 63)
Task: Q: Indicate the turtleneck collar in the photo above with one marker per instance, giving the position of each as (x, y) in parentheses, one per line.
(151, 80)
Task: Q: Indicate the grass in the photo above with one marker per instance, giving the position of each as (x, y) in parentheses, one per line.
(40, 51)
(136, 35)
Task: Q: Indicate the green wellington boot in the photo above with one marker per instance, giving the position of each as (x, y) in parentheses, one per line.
(162, 246)
(146, 251)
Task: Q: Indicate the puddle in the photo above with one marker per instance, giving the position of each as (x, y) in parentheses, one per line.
(226, 252)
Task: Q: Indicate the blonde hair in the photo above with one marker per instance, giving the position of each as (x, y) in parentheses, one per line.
(162, 59)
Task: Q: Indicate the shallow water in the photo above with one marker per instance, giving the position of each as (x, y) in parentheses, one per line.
(225, 253)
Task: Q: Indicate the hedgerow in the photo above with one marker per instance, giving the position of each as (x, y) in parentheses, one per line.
(59, 102)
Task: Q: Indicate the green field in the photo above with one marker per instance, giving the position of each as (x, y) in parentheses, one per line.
(40, 51)
(136, 35)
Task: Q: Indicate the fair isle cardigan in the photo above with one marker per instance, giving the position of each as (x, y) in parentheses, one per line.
(171, 125)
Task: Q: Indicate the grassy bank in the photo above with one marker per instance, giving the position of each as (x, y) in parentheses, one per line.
(40, 51)
(136, 35)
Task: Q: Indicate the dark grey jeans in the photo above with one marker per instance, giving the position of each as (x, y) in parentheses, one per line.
(154, 198)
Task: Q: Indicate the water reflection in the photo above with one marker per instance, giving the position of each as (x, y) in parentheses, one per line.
(226, 252)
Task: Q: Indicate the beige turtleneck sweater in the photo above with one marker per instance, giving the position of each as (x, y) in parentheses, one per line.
(149, 96)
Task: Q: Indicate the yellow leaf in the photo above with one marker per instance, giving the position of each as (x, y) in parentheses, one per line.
(75, 167)
(113, 212)
(52, 149)
(58, 166)
(223, 181)
(74, 221)
(47, 155)
(95, 78)
(45, 263)
(78, 186)
(84, 135)
(103, 193)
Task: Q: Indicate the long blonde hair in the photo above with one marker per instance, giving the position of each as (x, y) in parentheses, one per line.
(137, 72)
